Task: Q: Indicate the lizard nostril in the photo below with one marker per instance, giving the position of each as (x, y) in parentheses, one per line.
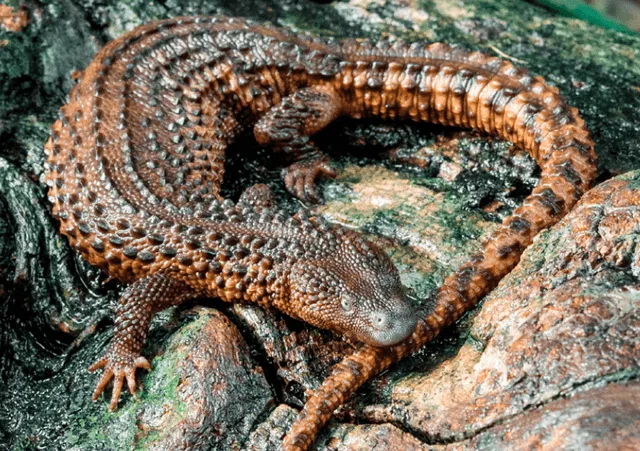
(380, 320)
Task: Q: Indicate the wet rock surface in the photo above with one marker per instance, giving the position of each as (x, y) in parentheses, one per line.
(549, 359)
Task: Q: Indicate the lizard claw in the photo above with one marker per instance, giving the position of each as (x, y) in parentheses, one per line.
(118, 368)
(300, 177)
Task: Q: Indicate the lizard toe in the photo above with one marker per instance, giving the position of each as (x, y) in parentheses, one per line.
(119, 368)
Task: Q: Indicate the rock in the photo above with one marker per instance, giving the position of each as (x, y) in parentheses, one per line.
(204, 391)
(268, 435)
(12, 20)
(563, 325)
(601, 418)
(564, 321)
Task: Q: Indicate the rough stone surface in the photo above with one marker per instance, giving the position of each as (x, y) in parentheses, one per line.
(548, 360)
(12, 20)
(204, 391)
(564, 321)
(603, 418)
(606, 418)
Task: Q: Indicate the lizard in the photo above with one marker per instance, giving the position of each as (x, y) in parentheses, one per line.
(136, 159)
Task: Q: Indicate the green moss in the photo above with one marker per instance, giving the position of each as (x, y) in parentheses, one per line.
(115, 430)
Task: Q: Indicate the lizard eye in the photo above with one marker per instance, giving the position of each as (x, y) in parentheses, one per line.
(347, 305)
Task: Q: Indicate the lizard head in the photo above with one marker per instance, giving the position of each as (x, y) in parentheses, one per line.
(354, 290)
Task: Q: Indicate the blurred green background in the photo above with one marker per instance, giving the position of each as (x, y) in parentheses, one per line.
(621, 15)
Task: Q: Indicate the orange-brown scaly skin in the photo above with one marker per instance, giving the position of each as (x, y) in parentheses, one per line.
(136, 160)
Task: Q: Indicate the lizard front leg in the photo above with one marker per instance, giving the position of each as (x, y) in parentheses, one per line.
(136, 307)
(287, 128)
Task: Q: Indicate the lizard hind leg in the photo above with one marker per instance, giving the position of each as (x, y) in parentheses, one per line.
(136, 307)
(287, 128)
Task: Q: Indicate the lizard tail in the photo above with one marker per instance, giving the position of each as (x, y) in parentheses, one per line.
(534, 117)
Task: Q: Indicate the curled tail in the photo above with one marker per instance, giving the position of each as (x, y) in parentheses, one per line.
(483, 93)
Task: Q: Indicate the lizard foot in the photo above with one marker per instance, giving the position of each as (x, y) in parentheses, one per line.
(118, 367)
(299, 178)
(259, 196)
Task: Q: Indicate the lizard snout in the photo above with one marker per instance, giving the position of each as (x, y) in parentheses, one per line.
(392, 327)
